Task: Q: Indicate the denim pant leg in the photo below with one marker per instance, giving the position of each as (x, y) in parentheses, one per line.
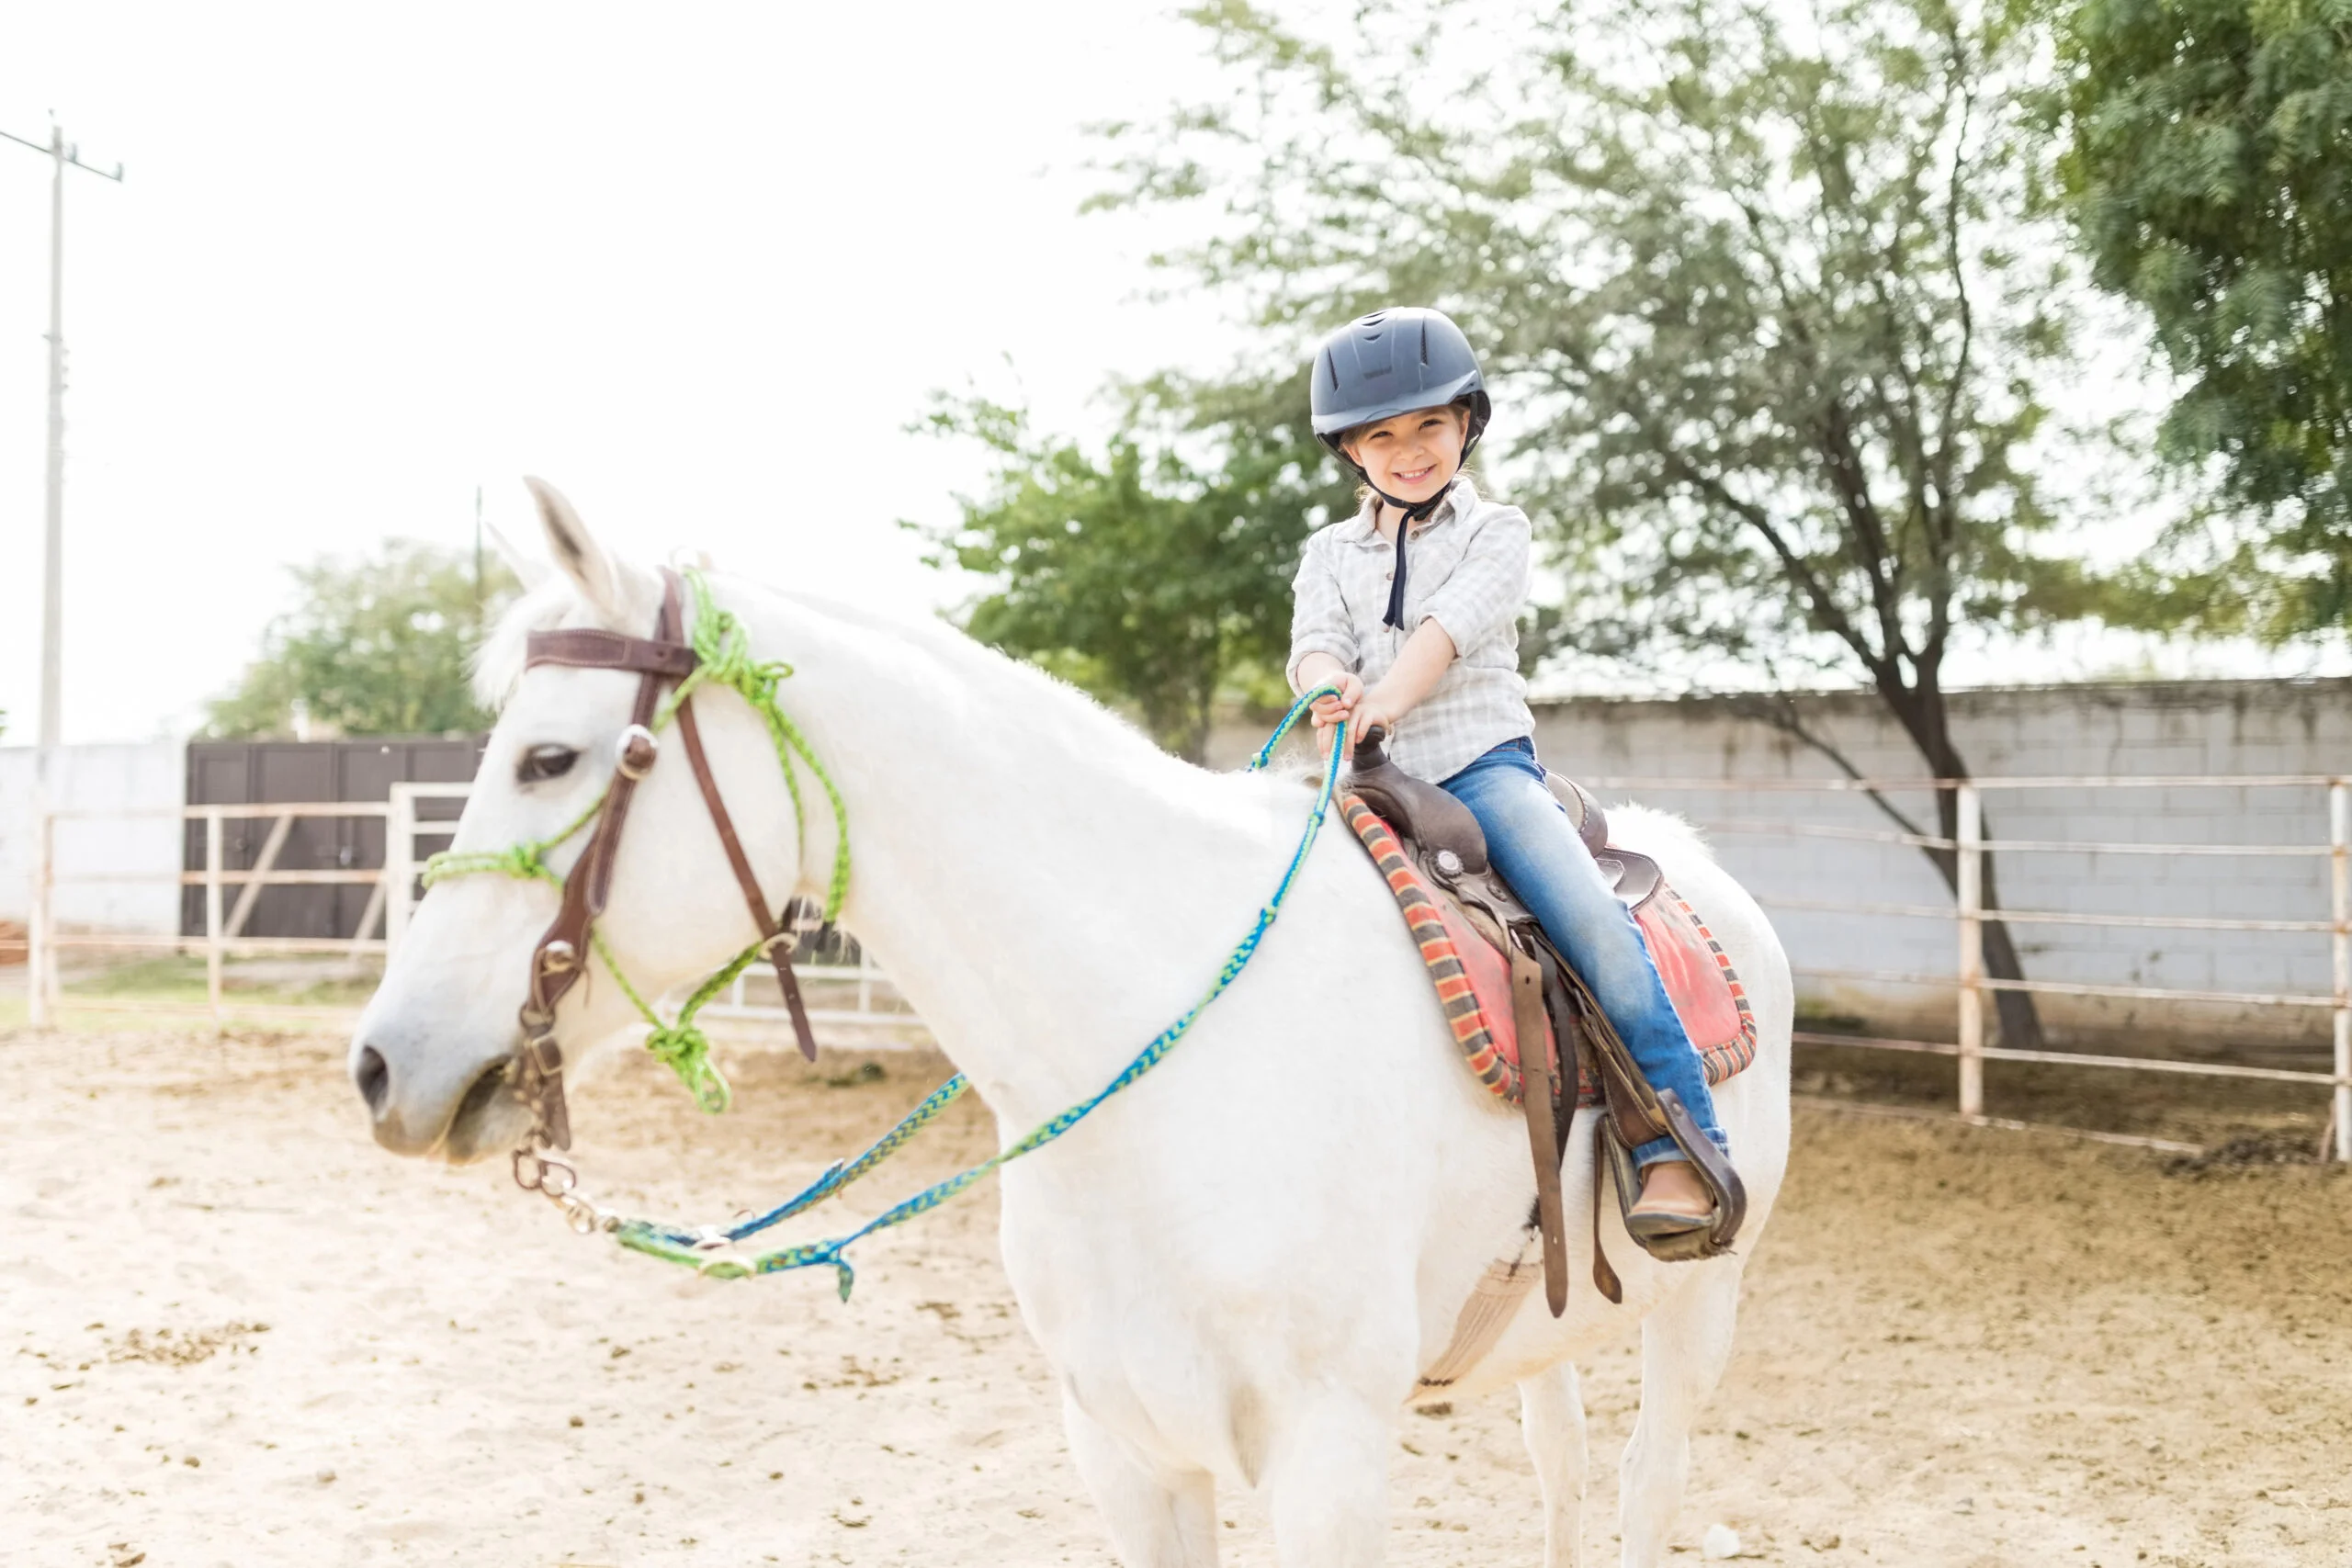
(1534, 845)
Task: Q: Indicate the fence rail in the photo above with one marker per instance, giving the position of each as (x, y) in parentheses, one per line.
(396, 893)
(1970, 913)
(223, 937)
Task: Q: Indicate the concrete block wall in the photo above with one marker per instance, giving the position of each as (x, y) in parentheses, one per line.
(2234, 728)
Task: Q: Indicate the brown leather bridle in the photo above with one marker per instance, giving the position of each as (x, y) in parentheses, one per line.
(561, 957)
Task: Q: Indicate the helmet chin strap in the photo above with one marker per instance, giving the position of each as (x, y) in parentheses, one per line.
(1414, 512)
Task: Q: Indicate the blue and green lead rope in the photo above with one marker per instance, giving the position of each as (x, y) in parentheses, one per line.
(696, 1248)
(723, 656)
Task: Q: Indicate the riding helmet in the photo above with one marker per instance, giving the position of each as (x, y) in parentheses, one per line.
(1393, 362)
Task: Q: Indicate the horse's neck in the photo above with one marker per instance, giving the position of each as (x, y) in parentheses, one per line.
(1044, 886)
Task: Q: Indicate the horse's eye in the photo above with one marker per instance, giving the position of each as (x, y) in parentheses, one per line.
(545, 762)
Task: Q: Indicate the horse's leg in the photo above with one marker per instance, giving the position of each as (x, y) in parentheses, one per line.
(1155, 1520)
(1327, 1479)
(1686, 1341)
(1551, 1417)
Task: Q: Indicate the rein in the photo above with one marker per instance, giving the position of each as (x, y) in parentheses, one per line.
(717, 649)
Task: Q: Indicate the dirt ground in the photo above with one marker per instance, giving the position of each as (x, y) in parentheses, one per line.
(235, 1333)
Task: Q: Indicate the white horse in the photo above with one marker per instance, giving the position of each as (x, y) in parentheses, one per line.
(1237, 1267)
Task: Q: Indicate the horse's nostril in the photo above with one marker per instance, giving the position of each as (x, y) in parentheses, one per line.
(374, 1079)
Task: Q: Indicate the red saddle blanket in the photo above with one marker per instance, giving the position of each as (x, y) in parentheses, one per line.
(1473, 980)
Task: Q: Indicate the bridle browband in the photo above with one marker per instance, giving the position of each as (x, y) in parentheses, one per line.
(561, 957)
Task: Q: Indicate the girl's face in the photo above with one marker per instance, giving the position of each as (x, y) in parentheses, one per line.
(1414, 455)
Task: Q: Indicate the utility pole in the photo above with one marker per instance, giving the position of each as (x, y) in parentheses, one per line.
(52, 600)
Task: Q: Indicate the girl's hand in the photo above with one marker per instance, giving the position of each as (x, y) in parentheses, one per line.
(1329, 711)
(1364, 708)
(1374, 710)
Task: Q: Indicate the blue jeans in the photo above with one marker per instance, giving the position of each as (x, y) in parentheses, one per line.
(1534, 844)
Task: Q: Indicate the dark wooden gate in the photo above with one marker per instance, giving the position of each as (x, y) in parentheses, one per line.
(240, 772)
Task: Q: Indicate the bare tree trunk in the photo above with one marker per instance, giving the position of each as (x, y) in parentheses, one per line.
(2020, 1020)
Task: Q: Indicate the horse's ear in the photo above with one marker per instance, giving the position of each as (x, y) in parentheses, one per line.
(576, 552)
(529, 570)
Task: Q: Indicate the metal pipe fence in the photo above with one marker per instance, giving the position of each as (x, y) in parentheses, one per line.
(396, 892)
(1971, 913)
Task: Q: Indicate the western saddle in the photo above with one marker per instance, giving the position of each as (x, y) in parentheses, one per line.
(1443, 839)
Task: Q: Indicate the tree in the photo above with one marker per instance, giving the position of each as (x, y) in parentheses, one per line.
(2208, 166)
(1766, 291)
(1159, 574)
(376, 645)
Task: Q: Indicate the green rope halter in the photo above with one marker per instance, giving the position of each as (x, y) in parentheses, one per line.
(723, 650)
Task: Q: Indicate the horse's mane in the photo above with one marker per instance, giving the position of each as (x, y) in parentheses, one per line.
(498, 663)
(1010, 684)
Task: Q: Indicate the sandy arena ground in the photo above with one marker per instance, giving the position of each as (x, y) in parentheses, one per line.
(235, 1333)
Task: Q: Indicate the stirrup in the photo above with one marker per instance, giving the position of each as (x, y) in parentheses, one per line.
(1712, 1236)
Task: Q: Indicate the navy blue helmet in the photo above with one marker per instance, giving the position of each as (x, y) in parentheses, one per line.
(1393, 362)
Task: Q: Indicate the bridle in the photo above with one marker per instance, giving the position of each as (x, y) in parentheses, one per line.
(561, 957)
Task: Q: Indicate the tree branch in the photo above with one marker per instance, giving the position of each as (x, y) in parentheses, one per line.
(1779, 710)
(1944, 532)
(1823, 604)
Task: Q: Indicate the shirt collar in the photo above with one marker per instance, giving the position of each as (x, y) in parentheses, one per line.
(1461, 496)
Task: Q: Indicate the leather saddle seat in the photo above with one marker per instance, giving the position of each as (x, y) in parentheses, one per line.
(1443, 826)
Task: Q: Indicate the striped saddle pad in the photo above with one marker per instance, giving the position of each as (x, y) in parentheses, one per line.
(1473, 979)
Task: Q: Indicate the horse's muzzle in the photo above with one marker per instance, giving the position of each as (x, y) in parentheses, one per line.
(459, 1118)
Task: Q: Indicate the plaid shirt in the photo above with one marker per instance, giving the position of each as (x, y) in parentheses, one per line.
(1467, 569)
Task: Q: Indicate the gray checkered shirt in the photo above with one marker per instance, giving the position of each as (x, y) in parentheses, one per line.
(1467, 569)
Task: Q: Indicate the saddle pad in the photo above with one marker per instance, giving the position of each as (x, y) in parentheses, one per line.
(1473, 980)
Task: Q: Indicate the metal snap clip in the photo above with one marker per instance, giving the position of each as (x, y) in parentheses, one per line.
(558, 957)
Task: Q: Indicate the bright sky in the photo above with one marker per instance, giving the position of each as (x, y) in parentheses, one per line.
(699, 271)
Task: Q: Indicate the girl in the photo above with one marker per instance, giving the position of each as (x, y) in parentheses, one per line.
(1410, 608)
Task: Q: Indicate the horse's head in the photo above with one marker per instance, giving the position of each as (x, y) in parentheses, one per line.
(432, 1050)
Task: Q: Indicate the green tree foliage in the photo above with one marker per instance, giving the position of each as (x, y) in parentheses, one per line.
(376, 645)
(2208, 161)
(1157, 574)
(1763, 288)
